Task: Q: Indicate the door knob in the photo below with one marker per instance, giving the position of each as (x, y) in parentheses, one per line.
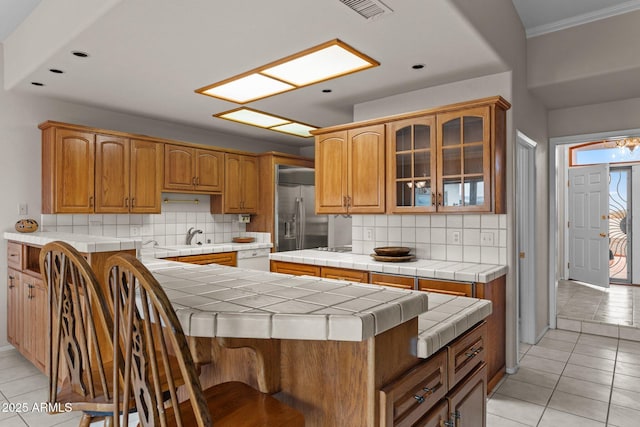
(603, 234)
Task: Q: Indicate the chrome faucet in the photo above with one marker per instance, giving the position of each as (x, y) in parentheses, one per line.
(191, 234)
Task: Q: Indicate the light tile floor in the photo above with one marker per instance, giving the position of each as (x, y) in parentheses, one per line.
(618, 305)
(567, 379)
(571, 379)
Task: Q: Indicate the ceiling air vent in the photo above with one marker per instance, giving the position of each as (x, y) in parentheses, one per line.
(368, 9)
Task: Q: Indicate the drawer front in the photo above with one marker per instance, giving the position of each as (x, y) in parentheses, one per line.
(461, 289)
(466, 352)
(408, 399)
(404, 282)
(295, 268)
(14, 255)
(222, 258)
(345, 274)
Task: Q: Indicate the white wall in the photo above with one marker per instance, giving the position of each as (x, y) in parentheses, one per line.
(20, 163)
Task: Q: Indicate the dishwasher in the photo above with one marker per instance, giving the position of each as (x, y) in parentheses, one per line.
(254, 259)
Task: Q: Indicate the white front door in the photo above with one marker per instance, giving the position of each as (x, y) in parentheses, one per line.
(588, 224)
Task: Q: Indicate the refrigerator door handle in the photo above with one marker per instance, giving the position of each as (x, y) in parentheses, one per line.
(298, 222)
(303, 223)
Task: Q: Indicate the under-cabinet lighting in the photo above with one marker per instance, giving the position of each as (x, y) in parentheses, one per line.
(264, 120)
(320, 63)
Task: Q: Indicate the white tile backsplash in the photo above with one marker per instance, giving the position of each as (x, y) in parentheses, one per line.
(167, 228)
(432, 236)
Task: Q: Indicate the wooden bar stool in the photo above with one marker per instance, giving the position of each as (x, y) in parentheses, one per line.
(147, 332)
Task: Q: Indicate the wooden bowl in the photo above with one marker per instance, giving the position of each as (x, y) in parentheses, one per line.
(392, 251)
(243, 239)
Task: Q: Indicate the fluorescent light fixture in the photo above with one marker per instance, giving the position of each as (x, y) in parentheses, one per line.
(264, 120)
(320, 63)
(249, 88)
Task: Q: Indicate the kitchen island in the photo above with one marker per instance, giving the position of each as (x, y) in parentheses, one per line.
(326, 347)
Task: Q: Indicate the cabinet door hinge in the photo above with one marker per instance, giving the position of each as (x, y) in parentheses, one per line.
(568, 265)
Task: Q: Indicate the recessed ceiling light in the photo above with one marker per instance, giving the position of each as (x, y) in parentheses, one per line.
(56, 71)
(80, 54)
(323, 62)
(264, 120)
(417, 66)
(37, 84)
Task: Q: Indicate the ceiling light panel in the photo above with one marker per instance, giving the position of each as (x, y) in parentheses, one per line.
(264, 120)
(323, 62)
(248, 88)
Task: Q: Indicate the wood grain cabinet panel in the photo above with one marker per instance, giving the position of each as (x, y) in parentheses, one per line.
(468, 401)
(14, 311)
(146, 176)
(358, 276)
(350, 169)
(402, 282)
(112, 174)
(68, 171)
(34, 308)
(223, 258)
(294, 268)
(240, 186)
(193, 170)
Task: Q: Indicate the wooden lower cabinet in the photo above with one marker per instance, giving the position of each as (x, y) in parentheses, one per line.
(28, 302)
(449, 287)
(345, 274)
(294, 268)
(403, 282)
(14, 301)
(35, 339)
(222, 258)
(447, 389)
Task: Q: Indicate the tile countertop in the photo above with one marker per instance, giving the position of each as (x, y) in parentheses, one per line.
(209, 248)
(81, 242)
(215, 300)
(447, 270)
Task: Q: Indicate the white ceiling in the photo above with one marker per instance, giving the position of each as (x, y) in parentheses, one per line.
(148, 56)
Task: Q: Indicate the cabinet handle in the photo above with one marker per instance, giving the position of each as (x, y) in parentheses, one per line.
(30, 294)
(133, 202)
(433, 199)
(457, 415)
(197, 180)
(448, 423)
(439, 199)
(420, 399)
(193, 181)
(11, 285)
(90, 201)
(473, 352)
(126, 202)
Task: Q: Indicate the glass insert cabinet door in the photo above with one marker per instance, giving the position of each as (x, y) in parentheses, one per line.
(412, 172)
(464, 166)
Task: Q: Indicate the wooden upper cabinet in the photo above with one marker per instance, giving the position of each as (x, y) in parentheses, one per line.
(146, 176)
(366, 190)
(112, 174)
(447, 159)
(191, 169)
(350, 169)
(411, 172)
(68, 171)
(240, 185)
(331, 179)
(209, 170)
(464, 160)
(179, 167)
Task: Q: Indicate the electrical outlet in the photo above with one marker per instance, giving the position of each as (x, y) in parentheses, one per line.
(455, 237)
(135, 230)
(23, 209)
(486, 238)
(368, 234)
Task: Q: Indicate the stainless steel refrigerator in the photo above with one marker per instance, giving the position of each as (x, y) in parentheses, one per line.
(297, 225)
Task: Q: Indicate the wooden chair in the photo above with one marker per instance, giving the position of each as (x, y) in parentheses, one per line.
(144, 321)
(80, 329)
